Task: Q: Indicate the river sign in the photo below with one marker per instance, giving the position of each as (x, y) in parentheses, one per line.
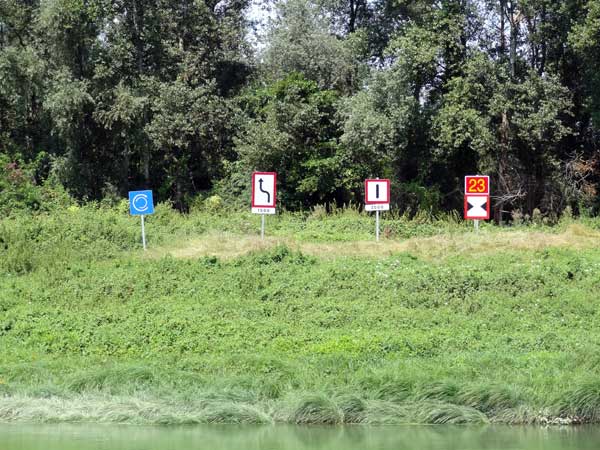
(141, 203)
(477, 207)
(377, 198)
(377, 195)
(264, 192)
(477, 198)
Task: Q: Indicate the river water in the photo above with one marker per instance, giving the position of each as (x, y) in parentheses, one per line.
(227, 437)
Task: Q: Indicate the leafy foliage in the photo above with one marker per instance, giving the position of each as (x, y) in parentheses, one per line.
(171, 95)
(292, 130)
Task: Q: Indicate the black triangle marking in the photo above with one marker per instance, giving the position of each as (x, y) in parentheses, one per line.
(471, 206)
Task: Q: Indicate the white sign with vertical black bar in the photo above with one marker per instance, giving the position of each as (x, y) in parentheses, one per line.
(377, 195)
(377, 198)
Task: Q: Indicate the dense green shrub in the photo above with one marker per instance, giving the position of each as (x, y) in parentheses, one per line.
(21, 193)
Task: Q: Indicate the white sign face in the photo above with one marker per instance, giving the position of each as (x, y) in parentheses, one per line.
(382, 207)
(477, 207)
(263, 210)
(377, 191)
(264, 192)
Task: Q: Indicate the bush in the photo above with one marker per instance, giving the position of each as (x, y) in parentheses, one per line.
(20, 193)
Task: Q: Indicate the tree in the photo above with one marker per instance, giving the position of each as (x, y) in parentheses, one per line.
(291, 129)
(154, 49)
(186, 129)
(299, 40)
(111, 96)
(84, 81)
(347, 16)
(387, 125)
(510, 129)
(585, 38)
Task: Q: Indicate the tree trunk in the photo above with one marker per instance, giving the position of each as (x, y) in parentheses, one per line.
(514, 36)
(136, 22)
(125, 170)
(146, 164)
(139, 44)
(503, 182)
(544, 50)
(502, 49)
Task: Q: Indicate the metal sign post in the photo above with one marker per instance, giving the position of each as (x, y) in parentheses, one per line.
(141, 203)
(377, 225)
(262, 227)
(143, 234)
(476, 222)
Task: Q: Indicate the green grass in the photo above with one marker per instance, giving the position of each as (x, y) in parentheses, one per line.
(315, 325)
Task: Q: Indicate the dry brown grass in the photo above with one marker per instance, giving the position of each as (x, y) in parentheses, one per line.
(224, 245)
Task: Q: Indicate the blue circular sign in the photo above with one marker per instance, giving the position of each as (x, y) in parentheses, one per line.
(141, 203)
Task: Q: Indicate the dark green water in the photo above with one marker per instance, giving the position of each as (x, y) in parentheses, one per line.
(110, 437)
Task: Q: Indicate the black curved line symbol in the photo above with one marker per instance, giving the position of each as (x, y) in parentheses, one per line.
(260, 187)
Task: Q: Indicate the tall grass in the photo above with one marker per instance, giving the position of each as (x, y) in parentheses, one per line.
(581, 402)
(315, 325)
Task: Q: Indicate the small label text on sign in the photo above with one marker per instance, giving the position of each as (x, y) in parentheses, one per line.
(382, 207)
(263, 210)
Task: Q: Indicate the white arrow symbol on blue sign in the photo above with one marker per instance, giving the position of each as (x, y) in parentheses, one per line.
(140, 202)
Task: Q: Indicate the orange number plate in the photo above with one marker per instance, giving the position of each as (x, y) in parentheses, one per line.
(479, 184)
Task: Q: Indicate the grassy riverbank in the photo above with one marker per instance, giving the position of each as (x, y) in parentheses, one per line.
(316, 325)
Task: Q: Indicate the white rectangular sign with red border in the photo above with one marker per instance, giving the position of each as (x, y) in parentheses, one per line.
(477, 207)
(377, 195)
(264, 192)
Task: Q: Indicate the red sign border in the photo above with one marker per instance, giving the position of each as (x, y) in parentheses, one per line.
(370, 180)
(487, 217)
(274, 189)
(487, 177)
